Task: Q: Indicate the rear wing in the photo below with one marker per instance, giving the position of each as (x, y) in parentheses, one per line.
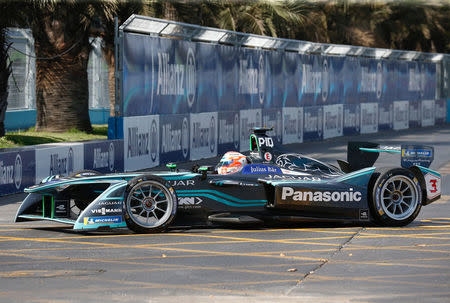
(365, 154)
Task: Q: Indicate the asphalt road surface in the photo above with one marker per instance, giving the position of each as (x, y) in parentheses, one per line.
(45, 261)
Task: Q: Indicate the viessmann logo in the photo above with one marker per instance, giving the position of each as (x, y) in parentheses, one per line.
(320, 196)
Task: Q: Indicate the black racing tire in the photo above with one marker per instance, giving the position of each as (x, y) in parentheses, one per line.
(395, 196)
(85, 173)
(145, 213)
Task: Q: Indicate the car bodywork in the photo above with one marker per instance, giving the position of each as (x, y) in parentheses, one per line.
(276, 186)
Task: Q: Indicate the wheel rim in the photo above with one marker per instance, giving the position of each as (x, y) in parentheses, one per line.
(149, 204)
(399, 197)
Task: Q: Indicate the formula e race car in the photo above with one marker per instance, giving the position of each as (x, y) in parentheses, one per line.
(272, 186)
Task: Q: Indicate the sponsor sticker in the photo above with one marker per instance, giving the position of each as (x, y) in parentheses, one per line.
(102, 220)
(109, 202)
(181, 182)
(364, 214)
(260, 169)
(105, 210)
(433, 184)
(320, 196)
(267, 156)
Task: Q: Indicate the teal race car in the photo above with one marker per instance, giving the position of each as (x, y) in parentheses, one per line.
(274, 186)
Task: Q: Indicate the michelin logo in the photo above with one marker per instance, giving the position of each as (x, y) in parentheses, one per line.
(320, 196)
(102, 220)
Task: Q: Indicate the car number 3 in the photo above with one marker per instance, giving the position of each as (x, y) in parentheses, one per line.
(433, 186)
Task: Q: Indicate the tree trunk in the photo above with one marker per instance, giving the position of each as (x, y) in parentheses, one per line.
(62, 92)
(62, 99)
(5, 71)
(111, 85)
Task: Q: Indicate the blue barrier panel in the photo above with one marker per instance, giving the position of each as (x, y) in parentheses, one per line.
(313, 127)
(228, 138)
(104, 156)
(245, 87)
(440, 111)
(17, 171)
(174, 138)
(448, 110)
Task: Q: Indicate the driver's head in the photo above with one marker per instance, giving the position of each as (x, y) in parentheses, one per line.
(231, 162)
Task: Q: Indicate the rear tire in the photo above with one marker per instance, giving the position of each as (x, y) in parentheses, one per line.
(150, 204)
(395, 197)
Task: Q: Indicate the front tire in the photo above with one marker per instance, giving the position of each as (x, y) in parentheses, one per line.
(395, 197)
(150, 204)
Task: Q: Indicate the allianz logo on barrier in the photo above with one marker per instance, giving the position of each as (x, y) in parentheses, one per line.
(11, 174)
(252, 79)
(204, 136)
(61, 165)
(104, 159)
(320, 196)
(177, 79)
(143, 143)
(175, 139)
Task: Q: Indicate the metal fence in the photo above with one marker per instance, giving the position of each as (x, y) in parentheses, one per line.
(22, 81)
(97, 76)
(189, 32)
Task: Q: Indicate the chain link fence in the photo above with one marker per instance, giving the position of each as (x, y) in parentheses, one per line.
(22, 81)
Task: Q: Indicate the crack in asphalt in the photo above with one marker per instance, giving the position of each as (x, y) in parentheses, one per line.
(341, 246)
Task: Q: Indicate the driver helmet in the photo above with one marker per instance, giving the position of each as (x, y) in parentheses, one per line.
(231, 162)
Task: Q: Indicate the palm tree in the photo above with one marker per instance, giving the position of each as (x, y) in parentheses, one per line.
(5, 71)
(61, 30)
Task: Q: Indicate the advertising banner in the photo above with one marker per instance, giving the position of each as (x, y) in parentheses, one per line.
(203, 135)
(385, 115)
(333, 120)
(292, 125)
(315, 80)
(250, 118)
(303, 96)
(369, 118)
(370, 80)
(313, 123)
(104, 156)
(415, 116)
(289, 80)
(62, 159)
(401, 115)
(440, 106)
(228, 137)
(174, 139)
(141, 142)
(352, 121)
(272, 118)
(428, 113)
(17, 171)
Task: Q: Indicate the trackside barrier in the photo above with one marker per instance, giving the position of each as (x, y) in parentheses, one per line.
(23, 167)
(151, 140)
(183, 99)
